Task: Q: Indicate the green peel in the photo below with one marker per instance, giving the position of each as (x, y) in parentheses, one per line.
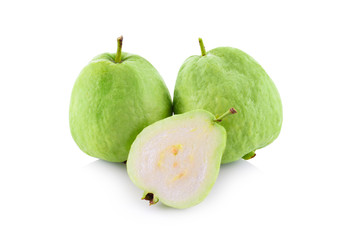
(227, 76)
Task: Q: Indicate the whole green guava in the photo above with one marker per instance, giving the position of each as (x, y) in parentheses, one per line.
(113, 99)
(225, 77)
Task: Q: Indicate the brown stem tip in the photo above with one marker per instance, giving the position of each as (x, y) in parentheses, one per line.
(120, 39)
(232, 110)
(150, 197)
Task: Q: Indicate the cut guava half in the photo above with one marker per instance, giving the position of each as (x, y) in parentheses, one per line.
(177, 160)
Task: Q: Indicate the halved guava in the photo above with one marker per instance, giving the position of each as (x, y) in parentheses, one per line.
(176, 160)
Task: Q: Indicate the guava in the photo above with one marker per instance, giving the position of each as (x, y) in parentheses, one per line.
(113, 99)
(227, 76)
(177, 160)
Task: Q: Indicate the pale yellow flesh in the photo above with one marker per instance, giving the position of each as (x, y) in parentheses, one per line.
(179, 162)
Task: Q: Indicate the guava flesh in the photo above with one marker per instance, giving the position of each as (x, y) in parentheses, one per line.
(177, 160)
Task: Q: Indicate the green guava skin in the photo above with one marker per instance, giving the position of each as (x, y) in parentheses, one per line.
(112, 102)
(227, 77)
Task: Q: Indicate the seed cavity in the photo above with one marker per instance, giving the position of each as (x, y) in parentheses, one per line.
(179, 176)
(191, 159)
(175, 149)
(161, 160)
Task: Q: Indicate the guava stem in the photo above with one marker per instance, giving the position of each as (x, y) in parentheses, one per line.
(203, 51)
(249, 155)
(118, 51)
(230, 111)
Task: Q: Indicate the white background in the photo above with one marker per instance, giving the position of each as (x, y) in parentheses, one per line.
(296, 188)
